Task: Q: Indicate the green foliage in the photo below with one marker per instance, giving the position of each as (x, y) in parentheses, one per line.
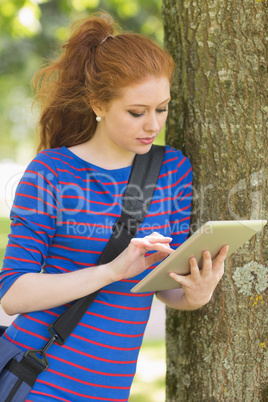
(30, 31)
(4, 231)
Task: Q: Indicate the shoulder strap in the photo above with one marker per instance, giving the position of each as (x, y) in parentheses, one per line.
(136, 202)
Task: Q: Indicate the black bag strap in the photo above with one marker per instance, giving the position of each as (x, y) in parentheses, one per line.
(136, 202)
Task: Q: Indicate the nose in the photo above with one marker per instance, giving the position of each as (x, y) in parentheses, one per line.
(152, 123)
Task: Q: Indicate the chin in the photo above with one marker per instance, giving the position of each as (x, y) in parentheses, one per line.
(143, 149)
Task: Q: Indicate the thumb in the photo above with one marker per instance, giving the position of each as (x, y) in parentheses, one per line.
(156, 257)
(183, 280)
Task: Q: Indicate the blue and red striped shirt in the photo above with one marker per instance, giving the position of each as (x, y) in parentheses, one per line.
(63, 214)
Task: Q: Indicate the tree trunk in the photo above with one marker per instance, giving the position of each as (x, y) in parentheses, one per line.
(218, 117)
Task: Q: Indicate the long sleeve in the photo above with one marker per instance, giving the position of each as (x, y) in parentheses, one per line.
(33, 221)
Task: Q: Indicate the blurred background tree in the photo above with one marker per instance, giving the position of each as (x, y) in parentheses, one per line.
(30, 31)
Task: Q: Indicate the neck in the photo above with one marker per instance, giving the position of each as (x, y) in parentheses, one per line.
(100, 153)
(109, 157)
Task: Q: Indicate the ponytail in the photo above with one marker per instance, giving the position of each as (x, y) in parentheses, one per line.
(94, 66)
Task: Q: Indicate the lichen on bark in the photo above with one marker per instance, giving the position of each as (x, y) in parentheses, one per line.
(251, 278)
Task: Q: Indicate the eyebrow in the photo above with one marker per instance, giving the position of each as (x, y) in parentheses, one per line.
(167, 100)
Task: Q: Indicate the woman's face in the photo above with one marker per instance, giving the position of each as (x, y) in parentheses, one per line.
(131, 122)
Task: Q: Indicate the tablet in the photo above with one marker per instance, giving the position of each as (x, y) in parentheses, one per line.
(211, 236)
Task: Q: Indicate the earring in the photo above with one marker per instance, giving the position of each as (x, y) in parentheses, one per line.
(98, 118)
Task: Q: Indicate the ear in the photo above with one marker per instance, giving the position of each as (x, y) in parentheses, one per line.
(98, 109)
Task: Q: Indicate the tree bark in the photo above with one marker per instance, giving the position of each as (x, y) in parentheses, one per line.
(218, 117)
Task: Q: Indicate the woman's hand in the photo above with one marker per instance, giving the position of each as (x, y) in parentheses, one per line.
(198, 286)
(34, 291)
(132, 260)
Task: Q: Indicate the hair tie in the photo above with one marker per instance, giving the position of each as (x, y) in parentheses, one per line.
(109, 36)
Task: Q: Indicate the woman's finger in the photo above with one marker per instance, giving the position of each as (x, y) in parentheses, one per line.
(140, 242)
(192, 277)
(155, 257)
(219, 260)
(146, 245)
(181, 279)
(150, 241)
(194, 268)
(156, 237)
(207, 263)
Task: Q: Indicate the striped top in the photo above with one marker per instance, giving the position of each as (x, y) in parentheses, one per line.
(62, 218)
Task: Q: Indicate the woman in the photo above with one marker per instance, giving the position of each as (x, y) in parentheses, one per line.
(104, 100)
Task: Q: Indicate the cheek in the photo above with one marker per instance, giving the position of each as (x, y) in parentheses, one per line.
(117, 125)
(124, 130)
(131, 124)
(162, 120)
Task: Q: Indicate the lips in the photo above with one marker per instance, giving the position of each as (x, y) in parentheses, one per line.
(146, 140)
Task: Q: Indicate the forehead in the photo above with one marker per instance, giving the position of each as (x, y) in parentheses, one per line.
(150, 91)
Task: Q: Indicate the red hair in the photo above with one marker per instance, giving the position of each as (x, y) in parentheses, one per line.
(91, 71)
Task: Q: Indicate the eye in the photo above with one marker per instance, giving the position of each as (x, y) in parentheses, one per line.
(161, 110)
(136, 114)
